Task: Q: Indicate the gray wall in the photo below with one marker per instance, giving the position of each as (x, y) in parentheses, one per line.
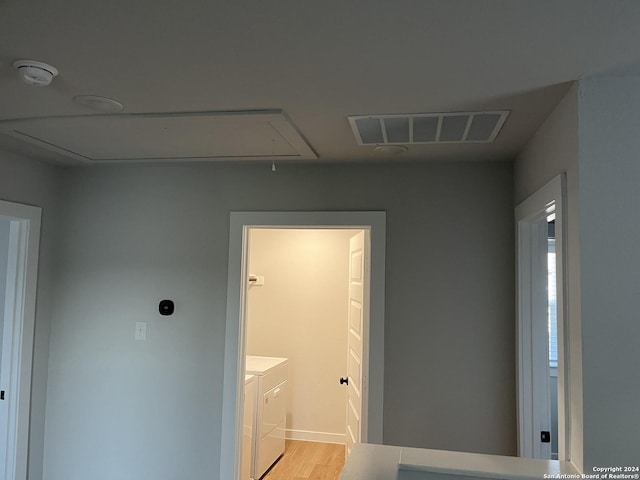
(450, 328)
(117, 408)
(610, 262)
(26, 181)
(554, 150)
(4, 256)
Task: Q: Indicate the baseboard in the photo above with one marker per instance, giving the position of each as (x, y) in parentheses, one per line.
(322, 437)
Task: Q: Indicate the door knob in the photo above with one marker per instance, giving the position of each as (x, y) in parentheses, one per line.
(344, 380)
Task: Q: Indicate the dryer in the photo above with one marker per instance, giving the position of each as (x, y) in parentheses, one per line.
(271, 410)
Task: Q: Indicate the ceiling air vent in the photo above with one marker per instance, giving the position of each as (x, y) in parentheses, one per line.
(459, 127)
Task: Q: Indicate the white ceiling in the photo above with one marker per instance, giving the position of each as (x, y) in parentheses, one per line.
(318, 62)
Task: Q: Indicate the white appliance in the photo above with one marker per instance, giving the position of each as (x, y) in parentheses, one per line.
(271, 411)
(248, 425)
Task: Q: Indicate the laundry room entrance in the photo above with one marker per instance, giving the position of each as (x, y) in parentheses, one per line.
(298, 309)
(311, 307)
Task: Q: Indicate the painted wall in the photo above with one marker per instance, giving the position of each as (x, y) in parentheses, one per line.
(301, 314)
(4, 257)
(136, 235)
(554, 150)
(26, 181)
(610, 267)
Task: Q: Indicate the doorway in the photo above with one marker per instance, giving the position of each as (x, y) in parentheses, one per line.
(372, 384)
(306, 303)
(542, 350)
(19, 246)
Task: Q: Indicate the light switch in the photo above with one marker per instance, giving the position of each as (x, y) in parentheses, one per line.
(141, 331)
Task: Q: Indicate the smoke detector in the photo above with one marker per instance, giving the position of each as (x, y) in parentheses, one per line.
(35, 73)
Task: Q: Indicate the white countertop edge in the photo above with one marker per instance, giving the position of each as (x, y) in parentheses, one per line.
(371, 462)
(383, 462)
(481, 465)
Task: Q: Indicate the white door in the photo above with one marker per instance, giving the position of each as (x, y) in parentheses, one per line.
(354, 338)
(5, 343)
(9, 348)
(17, 320)
(540, 375)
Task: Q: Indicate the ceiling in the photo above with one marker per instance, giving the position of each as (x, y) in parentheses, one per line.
(315, 62)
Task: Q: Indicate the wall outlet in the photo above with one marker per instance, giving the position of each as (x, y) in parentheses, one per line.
(141, 331)
(256, 280)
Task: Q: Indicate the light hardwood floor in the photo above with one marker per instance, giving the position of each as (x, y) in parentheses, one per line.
(308, 461)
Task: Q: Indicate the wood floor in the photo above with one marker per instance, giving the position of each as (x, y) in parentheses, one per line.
(308, 461)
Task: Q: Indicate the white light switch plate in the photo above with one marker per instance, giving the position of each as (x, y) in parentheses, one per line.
(141, 331)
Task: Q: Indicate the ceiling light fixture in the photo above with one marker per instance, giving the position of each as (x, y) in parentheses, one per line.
(102, 104)
(391, 149)
(35, 73)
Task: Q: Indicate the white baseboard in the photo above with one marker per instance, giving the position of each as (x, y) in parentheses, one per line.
(322, 437)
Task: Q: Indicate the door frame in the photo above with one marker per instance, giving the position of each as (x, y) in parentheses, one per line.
(18, 337)
(531, 248)
(239, 225)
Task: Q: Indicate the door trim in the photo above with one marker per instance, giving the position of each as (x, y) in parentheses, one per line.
(19, 315)
(240, 223)
(530, 217)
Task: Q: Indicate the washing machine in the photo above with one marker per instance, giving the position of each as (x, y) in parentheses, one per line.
(271, 410)
(248, 425)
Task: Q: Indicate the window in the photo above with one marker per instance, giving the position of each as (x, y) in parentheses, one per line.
(552, 305)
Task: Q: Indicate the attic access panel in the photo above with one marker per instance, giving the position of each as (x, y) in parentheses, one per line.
(427, 128)
(235, 135)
